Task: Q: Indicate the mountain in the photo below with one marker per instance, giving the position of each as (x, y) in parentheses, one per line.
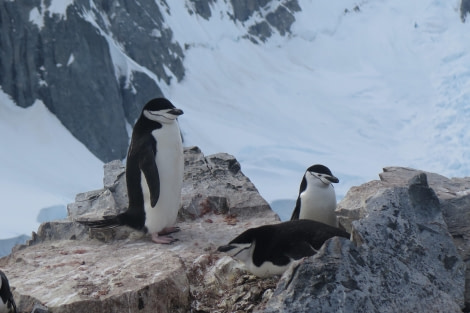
(279, 84)
(102, 60)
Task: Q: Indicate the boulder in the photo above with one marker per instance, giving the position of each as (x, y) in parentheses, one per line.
(401, 258)
(453, 195)
(73, 269)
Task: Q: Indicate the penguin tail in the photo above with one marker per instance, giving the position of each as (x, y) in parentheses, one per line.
(11, 304)
(110, 222)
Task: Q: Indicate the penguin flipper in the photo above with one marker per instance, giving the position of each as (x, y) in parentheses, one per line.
(11, 304)
(296, 213)
(149, 168)
(300, 250)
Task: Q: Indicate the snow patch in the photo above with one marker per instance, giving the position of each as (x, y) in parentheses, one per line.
(44, 165)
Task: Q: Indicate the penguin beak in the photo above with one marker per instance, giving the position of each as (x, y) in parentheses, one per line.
(332, 179)
(176, 112)
(325, 178)
(225, 248)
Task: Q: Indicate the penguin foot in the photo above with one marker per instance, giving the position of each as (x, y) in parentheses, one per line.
(169, 230)
(162, 239)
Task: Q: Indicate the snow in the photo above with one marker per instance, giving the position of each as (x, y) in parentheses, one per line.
(388, 84)
(355, 91)
(42, 165)
(58, 7)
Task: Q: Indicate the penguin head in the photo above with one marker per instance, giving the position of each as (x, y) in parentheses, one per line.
(239, 251)
(242, 247)
(321, 173)
(161, 110)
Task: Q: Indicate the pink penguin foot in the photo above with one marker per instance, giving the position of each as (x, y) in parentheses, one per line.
(162, 239)
(169, 230)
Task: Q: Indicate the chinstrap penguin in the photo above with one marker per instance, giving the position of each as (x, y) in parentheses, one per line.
(317, 198)
(154, 173)
(8, 303)
(268, 250)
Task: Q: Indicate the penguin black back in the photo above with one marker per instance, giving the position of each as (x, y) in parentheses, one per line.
(141, 163)
(280, 243)
(5, 293)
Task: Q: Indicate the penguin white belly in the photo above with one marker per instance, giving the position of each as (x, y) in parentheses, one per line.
(266, 269)
(170, 164)
(319, 204)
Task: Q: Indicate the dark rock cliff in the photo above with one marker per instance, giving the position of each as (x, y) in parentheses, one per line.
(464, 9)
(98, 63)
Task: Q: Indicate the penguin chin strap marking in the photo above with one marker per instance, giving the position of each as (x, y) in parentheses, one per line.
(241, 250)
(165, 115)
(324, 180)
(320, 177)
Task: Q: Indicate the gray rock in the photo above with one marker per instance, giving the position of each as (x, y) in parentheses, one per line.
(464, 9)
(264, 17)
(453, 195)
(202, 7)
(401, 259)
(217, 178)
(73, 269)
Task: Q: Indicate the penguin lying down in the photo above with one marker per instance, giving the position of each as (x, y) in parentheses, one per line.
(268, 250)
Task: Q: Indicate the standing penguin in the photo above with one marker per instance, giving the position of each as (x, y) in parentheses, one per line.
(8, 303)
(317, 198)
(154, 173)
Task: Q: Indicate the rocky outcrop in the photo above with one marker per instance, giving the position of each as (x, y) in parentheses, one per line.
(406, 251)
(103, 60)
(72, 269)
(263, 18)
(401, 258)
(454, 199)
(464, 9)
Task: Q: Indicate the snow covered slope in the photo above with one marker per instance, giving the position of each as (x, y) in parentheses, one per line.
(357, 86)
(42, 166)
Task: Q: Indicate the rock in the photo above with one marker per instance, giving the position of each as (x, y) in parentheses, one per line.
(73, 269)
(401, 258)
(453, 195)
(226, 286)
(216, 184)
(464, 9)
(278, 16)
